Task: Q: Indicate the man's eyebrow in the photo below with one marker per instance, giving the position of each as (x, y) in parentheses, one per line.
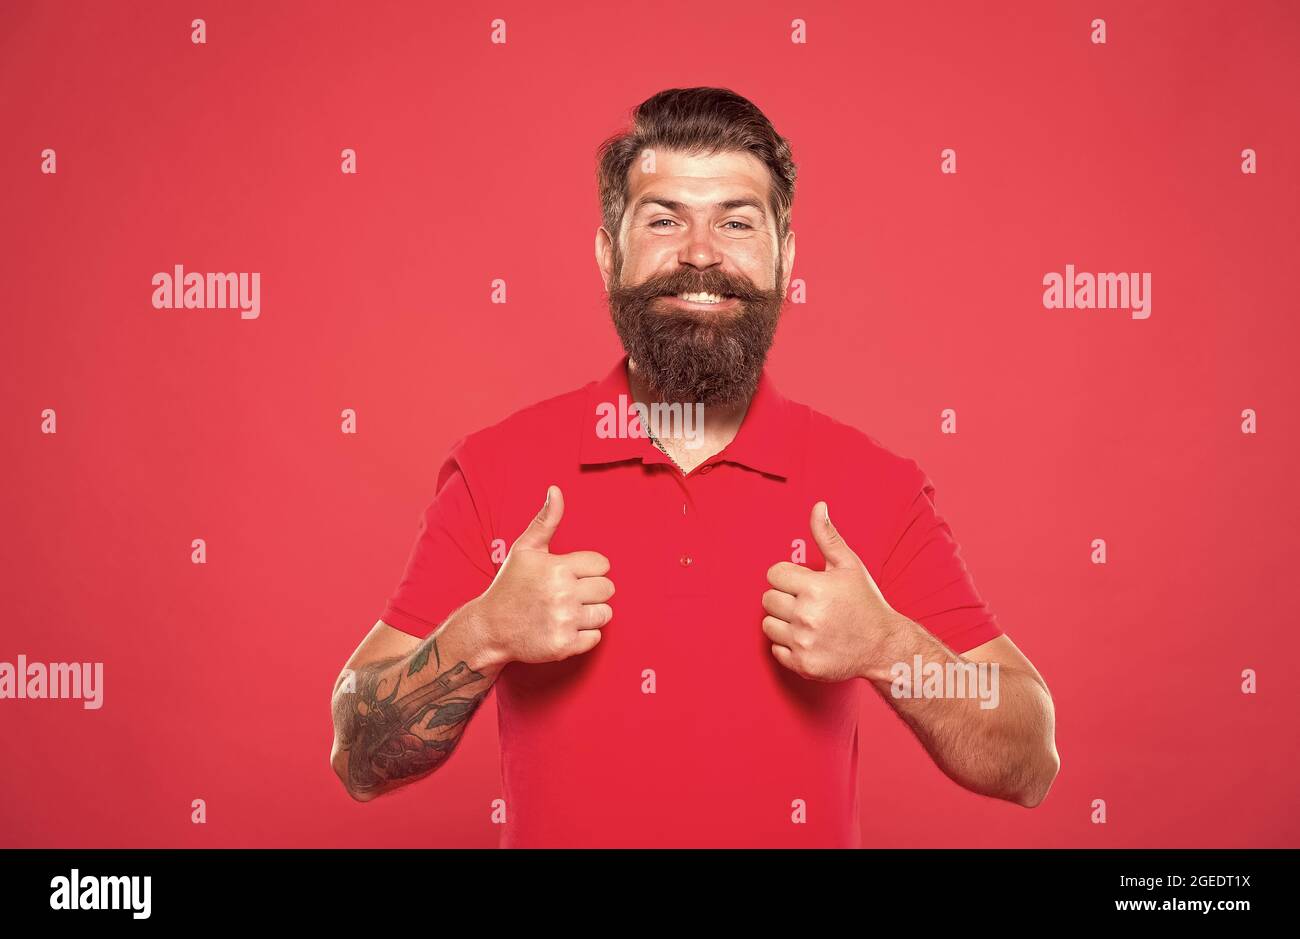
(673, 205)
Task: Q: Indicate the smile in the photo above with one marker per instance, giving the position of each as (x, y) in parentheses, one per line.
(701, 300)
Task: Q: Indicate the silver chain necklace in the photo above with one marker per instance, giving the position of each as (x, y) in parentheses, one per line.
(664, 450)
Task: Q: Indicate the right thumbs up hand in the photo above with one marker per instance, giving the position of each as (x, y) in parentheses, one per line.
(544, 607)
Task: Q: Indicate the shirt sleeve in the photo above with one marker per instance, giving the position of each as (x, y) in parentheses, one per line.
(925, 578)
(451, 560)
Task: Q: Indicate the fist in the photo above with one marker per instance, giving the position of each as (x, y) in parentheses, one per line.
(826, 625)
(543, 607)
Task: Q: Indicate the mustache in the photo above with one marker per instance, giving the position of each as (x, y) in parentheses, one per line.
(669, 285)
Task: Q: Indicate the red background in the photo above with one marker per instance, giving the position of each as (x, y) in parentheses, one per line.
(476, 161)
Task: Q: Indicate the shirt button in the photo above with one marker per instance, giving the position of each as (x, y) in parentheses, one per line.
(687, 561)
(706, 469)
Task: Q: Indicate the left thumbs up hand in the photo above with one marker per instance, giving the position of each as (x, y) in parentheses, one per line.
(828, 625)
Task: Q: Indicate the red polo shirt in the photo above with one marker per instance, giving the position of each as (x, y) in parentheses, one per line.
(681, 729)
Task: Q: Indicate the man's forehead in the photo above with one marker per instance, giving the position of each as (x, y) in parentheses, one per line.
(684, 173)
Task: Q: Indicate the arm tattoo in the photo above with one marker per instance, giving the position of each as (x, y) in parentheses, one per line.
(393, 739)
(421, 657)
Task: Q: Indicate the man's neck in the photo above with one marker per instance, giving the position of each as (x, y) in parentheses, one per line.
(718, 427)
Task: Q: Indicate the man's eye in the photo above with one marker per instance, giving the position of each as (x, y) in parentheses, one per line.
(740, 223)
(657, 221)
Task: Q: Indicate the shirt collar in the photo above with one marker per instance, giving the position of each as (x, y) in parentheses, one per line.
(769, 439)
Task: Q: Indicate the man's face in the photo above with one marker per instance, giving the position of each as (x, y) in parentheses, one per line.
(697, 225)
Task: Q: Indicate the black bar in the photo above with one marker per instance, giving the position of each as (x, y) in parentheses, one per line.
(380, 888)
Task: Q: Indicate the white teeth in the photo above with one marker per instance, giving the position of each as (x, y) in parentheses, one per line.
(701, 297)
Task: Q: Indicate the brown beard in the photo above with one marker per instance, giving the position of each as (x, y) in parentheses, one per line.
(688, 356)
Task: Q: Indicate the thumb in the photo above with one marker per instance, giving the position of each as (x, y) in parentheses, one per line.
(833, 548)
(541, 529)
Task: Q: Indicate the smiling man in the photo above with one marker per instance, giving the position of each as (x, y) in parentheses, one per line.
(768, 570)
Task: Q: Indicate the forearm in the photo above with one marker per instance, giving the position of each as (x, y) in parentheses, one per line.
(398, 719)
(1006, 750)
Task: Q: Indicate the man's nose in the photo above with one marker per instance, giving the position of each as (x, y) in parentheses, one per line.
(701, 248)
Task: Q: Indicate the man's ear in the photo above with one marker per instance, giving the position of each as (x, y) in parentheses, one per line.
(604, 255)
(600, 257)
(787, 263)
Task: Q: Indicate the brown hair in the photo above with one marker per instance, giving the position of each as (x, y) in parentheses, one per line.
(700, 121)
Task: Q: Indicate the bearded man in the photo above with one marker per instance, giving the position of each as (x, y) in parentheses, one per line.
(771, 563)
